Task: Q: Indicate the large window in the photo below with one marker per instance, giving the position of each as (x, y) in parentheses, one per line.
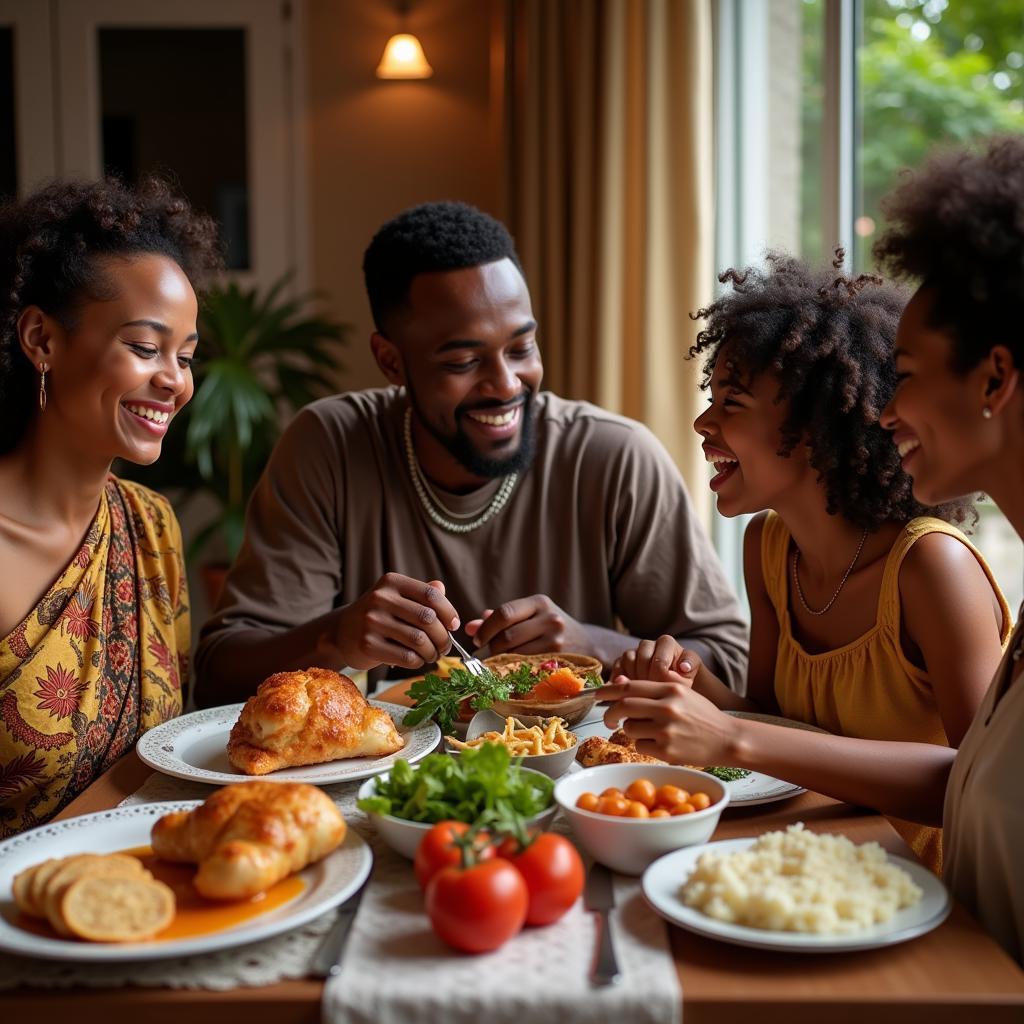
(819, 105)
(929, 71)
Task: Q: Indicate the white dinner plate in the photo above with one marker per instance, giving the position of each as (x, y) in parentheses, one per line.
(663, 881)
(195, 747)
(327, 884)
(752, 789)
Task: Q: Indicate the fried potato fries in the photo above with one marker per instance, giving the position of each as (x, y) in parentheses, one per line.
(551, 738)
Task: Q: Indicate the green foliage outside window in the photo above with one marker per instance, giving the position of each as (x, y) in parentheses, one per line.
(928, 71)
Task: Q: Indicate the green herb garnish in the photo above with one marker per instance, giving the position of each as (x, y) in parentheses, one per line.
(726, 774)
(439, 698)
(482, 785)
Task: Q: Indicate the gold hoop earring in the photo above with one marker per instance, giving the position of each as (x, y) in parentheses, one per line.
(42, 386)
(986, 413)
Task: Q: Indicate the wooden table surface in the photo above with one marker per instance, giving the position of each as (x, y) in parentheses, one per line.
(955, 973)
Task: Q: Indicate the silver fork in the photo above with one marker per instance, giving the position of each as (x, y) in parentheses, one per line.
(474, 666)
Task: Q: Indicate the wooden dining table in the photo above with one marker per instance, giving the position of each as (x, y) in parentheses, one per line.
(955, 973)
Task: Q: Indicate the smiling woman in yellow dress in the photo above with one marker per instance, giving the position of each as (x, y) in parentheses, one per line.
(956, 421)
(97, 334)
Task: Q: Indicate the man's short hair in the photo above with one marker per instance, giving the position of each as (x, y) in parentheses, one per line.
(426, 238)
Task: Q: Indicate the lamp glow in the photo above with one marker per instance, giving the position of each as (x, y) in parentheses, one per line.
(403, 58)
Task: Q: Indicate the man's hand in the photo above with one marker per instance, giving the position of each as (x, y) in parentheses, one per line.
(662, 660)
(399, 621)
(670, 720)
(531, 625)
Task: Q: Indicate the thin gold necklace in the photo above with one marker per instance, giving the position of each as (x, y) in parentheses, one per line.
(842, 582)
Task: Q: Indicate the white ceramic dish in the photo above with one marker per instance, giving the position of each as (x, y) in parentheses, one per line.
(755, 788)
(195, 746)
(404, 836)
(663, 881)
(630, 844)
(327, 884)
(553, 765)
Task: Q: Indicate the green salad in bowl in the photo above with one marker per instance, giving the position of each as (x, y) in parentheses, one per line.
(485, 786)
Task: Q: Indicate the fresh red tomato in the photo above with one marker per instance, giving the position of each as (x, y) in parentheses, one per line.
(438, 850)
(480, 908)
(508, 848)
(553, 873)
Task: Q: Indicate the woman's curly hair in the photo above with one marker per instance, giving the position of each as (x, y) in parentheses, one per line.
(957, 226)
(50, 249)
(828, 339)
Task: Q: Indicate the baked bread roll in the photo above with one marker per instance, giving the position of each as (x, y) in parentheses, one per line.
(250, 835)
(308, 717)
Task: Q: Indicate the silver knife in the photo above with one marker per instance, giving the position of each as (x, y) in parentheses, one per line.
(599, 897)
(327, 959)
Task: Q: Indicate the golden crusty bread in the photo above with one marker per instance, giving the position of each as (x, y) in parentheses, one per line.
(247, 836)
(21, 888)
(109, 865)
(117, 909)
(131, 913)
(308, 717)
(37, 885)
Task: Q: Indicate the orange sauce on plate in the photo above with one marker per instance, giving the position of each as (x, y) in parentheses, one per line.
(195, 915)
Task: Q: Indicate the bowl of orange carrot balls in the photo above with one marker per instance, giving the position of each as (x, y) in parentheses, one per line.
(628, 815)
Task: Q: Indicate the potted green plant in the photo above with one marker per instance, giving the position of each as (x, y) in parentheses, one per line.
(261, 357)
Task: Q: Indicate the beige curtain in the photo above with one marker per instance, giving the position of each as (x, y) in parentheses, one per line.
(608, 191)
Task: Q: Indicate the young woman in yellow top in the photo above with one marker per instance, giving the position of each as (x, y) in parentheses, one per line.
(871, 616)
(97, 331)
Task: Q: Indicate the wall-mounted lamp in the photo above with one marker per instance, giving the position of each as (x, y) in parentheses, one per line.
(403, 56)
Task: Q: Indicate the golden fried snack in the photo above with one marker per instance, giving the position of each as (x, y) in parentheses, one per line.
(250, 835)
(42, 891)
(308, 717)
(37, 886)
(552, 738)
(21, 888)
(597, 750)
(86, 865)
(622, 739)
(119, 909)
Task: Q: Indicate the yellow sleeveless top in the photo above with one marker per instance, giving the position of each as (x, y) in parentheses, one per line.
(866, 688)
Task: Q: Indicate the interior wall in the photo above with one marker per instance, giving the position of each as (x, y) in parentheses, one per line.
(376, 147)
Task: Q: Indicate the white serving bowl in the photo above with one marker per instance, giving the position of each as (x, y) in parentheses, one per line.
(628, 845)
(404, 836)
(552, 765)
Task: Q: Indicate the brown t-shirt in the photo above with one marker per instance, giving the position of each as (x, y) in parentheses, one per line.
(600, 522)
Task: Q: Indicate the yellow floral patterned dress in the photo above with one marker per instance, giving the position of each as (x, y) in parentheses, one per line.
(101, 659)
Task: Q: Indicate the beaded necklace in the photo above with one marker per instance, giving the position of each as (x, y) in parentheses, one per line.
(434, 507)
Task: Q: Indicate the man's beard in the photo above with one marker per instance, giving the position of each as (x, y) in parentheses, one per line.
(466, 453)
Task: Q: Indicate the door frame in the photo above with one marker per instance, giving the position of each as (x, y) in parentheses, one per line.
(34, 111)
(276, 159)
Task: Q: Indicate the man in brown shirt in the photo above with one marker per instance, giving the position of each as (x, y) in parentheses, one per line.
(461, 494)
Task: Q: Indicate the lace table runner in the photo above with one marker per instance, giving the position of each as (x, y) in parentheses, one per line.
(395, 969)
